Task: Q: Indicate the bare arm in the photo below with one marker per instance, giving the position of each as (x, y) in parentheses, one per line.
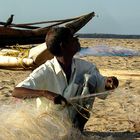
(21, 92)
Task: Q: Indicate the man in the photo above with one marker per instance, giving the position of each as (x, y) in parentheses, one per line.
(64, 76)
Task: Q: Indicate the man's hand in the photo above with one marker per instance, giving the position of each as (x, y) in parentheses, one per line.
(111, 83)
(60, 100)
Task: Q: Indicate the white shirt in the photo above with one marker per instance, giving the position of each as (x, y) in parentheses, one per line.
(50, 76)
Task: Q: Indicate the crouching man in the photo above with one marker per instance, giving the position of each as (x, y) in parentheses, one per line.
(64, 76)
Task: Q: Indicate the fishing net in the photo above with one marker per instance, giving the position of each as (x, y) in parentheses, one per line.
(37, 119)
(33, 119)
(108, 51)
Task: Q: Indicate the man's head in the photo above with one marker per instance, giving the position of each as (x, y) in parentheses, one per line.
(111, 83)
(60, 41)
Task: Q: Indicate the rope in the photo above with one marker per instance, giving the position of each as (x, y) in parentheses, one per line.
(20, 60)
(73, 105)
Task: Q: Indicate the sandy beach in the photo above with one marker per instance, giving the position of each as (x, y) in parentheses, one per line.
(117, 117)
(121, 110)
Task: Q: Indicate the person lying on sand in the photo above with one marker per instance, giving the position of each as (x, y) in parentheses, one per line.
(64, 76)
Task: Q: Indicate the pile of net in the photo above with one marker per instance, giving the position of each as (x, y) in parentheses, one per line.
(36, 119)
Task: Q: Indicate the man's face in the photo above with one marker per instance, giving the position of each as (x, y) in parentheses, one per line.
(72, 46)
(109, 84)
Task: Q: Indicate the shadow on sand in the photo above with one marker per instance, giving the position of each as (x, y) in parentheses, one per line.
(116, 135)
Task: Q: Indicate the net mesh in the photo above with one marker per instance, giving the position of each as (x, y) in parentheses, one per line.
(28, 120)
(37, 119)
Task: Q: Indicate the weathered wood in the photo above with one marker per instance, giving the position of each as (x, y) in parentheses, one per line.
(79, 23)
(11, 36)
(15, 62)
(44, 22)
(30, 59)
(29, 25)
(20, 26)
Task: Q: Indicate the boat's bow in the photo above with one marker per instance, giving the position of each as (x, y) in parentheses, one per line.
(79, 23)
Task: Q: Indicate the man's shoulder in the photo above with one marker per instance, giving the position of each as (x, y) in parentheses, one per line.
(82, 62)
(44, 67)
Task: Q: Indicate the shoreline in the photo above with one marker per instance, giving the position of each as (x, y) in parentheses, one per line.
(108, 36)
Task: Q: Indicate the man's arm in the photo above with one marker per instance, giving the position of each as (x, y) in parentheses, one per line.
(99, 83)
(22, 92)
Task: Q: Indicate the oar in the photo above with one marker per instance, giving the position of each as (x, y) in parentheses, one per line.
(29, 25)
(20, 26)
(51, 21)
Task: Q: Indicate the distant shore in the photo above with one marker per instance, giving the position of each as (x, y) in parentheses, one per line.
(119, 36)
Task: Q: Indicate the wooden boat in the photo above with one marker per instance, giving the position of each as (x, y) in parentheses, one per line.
(33, 35)
(35, 56)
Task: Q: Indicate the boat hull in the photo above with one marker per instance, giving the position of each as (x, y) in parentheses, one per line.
(12, 36)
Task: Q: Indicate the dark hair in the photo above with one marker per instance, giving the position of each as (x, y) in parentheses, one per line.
(115, 81)
(54, 38)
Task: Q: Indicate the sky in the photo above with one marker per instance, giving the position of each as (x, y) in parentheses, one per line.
(114, 16)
